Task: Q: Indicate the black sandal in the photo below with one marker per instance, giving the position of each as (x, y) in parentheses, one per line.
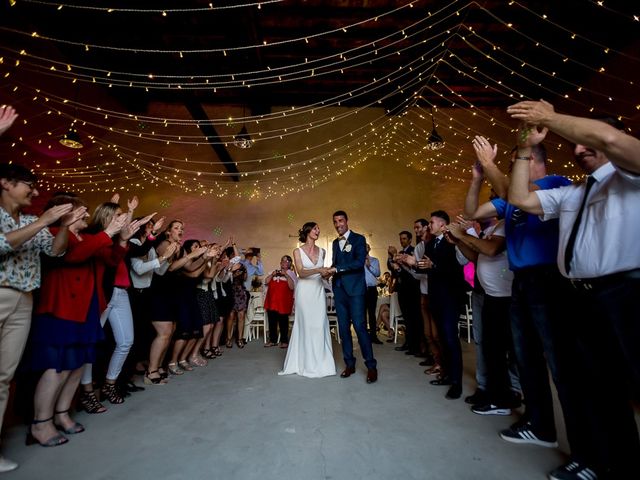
(52, 442)
(240, 343)
(154, 381)
(77, 427)
(111, 393)
(217, 352)
(208, 353)
(89, 403)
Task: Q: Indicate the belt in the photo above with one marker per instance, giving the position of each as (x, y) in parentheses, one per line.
(598, 283)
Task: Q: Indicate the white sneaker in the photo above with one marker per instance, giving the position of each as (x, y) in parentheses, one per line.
(7, 465)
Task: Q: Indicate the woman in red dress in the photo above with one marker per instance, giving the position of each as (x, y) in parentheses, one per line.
(279, 301)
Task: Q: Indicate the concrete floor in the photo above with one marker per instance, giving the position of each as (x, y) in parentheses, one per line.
(237, 419)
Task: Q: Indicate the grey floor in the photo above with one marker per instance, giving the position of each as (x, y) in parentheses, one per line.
(237, 419)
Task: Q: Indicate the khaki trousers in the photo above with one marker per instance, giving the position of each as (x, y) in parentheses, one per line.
(15, 320)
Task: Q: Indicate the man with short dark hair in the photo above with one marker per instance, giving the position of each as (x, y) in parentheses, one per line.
(349, 287)
(408, 289)
(531, 251)
(446, 291)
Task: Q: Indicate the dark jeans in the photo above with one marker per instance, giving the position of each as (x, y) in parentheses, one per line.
(371, 299)
(606, 333)
(278, 321)
(350, 310)
(541, 337)
(497, 345)
(445, 308)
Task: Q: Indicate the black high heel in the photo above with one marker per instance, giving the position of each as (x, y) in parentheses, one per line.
(52, 442)
(90, 403)
(77, 427)
(111, 393)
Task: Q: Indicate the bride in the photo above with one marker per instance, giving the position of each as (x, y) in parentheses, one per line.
(310, 353)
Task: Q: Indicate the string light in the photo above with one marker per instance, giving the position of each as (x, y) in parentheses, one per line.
(399, 133)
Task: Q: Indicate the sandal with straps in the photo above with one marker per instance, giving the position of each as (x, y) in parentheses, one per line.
(111, 393)
(184, 365)
(240, 343)
(156, 380)
(198, 362)
(208, 353)
(175, 369)
(217, 352)
(229, 344)
(89, 403)
(76, 428)
(54, 441)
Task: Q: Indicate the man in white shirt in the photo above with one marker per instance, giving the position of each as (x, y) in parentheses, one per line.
(598, 254)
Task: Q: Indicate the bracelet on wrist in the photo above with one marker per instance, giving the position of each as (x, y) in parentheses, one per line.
(523, 158)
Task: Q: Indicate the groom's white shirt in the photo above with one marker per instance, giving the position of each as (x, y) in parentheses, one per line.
(342, 243)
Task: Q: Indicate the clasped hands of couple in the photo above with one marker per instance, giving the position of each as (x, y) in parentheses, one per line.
(327, 272)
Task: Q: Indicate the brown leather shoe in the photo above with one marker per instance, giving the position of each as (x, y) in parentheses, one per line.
(372, 375)
(348, 372)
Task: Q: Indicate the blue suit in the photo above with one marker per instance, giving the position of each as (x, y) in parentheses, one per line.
(349, 287)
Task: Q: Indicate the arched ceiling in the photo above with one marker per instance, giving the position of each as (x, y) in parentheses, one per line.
(158, 91)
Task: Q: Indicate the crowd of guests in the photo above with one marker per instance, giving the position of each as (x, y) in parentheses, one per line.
(67, 278)
(556, 275)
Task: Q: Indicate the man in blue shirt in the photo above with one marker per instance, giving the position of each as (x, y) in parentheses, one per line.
(531, 250)
(371, 274)
(253, 269)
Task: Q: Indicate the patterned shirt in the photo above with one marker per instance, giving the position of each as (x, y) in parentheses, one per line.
(20, 268)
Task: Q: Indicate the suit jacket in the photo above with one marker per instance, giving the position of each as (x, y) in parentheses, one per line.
(446, 271)
(349, 263)
(406, 282)
(68, 282)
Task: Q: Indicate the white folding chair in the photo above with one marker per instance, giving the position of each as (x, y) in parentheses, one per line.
(466, 318)
(256, 318)
(333, 317)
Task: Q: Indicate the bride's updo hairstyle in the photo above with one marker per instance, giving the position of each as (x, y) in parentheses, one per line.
(303, 233)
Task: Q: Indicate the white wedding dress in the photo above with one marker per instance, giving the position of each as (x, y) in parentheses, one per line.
(310, 353)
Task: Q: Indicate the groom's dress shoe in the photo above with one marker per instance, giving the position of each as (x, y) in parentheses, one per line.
(372, 375)
(376, 340)
(402, 348)
(348, 372)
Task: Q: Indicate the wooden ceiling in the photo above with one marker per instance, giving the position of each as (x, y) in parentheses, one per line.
(174, 81)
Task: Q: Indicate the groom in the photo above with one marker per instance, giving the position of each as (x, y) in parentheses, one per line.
(349, 288)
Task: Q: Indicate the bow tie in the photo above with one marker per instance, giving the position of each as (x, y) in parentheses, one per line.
(341, 238)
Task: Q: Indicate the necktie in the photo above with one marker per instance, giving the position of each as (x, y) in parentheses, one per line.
(435, 245)
(341, 238)
(568, 253)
